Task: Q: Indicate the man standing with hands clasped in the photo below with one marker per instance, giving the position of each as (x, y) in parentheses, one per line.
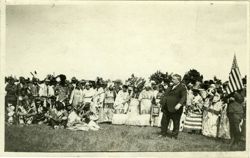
(172, 103)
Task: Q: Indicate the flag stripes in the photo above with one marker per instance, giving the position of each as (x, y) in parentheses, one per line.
(235, 81)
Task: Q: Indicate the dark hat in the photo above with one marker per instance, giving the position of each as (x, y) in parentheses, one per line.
(62, 77)
(196, 90)
(125, 86)
(35, 79)
(59, 105)
(73, 79)
(10, 79)
(21, 78)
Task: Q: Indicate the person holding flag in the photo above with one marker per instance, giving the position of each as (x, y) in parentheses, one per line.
(235, 109)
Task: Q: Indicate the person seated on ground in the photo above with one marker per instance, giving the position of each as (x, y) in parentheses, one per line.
(41, 111)
(22, 107)
(58, 116)
(10, 114)
(88, 116)
(31, 113)
(74, 116)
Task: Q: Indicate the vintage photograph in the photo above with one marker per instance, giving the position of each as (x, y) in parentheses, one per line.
(117, 76)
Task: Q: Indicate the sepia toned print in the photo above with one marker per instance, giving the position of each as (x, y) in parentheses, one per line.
(126, 77)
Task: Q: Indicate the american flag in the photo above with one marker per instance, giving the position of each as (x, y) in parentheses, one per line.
(235, 81)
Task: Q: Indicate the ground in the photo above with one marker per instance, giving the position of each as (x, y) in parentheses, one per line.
(41, 138)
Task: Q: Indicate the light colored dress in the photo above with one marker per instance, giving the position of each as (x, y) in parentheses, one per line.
(99, 97)
(145, 99)
(76, 97)
(46, 91)
(134, 117)
(88, 97)
(224, 124)
(10, 113)
(121, 102)
(133, 112)
(120, 108)
(211, 119)
(98, 103)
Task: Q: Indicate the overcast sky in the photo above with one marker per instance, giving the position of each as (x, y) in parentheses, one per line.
(116, 39)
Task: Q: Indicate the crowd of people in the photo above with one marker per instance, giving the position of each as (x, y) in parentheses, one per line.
(82, 105)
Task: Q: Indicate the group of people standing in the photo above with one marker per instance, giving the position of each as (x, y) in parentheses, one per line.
(82, 105)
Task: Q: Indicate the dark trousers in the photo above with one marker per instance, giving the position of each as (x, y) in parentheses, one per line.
(234, 122)
(175, 117)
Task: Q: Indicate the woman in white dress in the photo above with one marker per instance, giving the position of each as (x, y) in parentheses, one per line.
(224, 132)
(133, 110)
(145, 98)
(121, 106)
(121, 101)
(212, 110)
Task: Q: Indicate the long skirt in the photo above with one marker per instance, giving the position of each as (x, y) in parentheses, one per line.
(133, 112)
(145, 106)
(106, 113)
(193, 122)
(210, 124)
(119, 119)
(121, 109)
(224, 131)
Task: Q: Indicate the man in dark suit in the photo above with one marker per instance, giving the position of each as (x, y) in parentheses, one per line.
(172, 103)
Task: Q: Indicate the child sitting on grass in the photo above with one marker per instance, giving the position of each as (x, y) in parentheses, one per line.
(25, 112)
(57, 116)
(10, 113)
(88, 116)
(41, 111)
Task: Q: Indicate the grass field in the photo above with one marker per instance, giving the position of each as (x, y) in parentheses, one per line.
(41, 138)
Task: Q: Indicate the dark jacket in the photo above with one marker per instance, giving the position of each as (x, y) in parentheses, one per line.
(11, 95)
(172, 97)
(235, 108)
